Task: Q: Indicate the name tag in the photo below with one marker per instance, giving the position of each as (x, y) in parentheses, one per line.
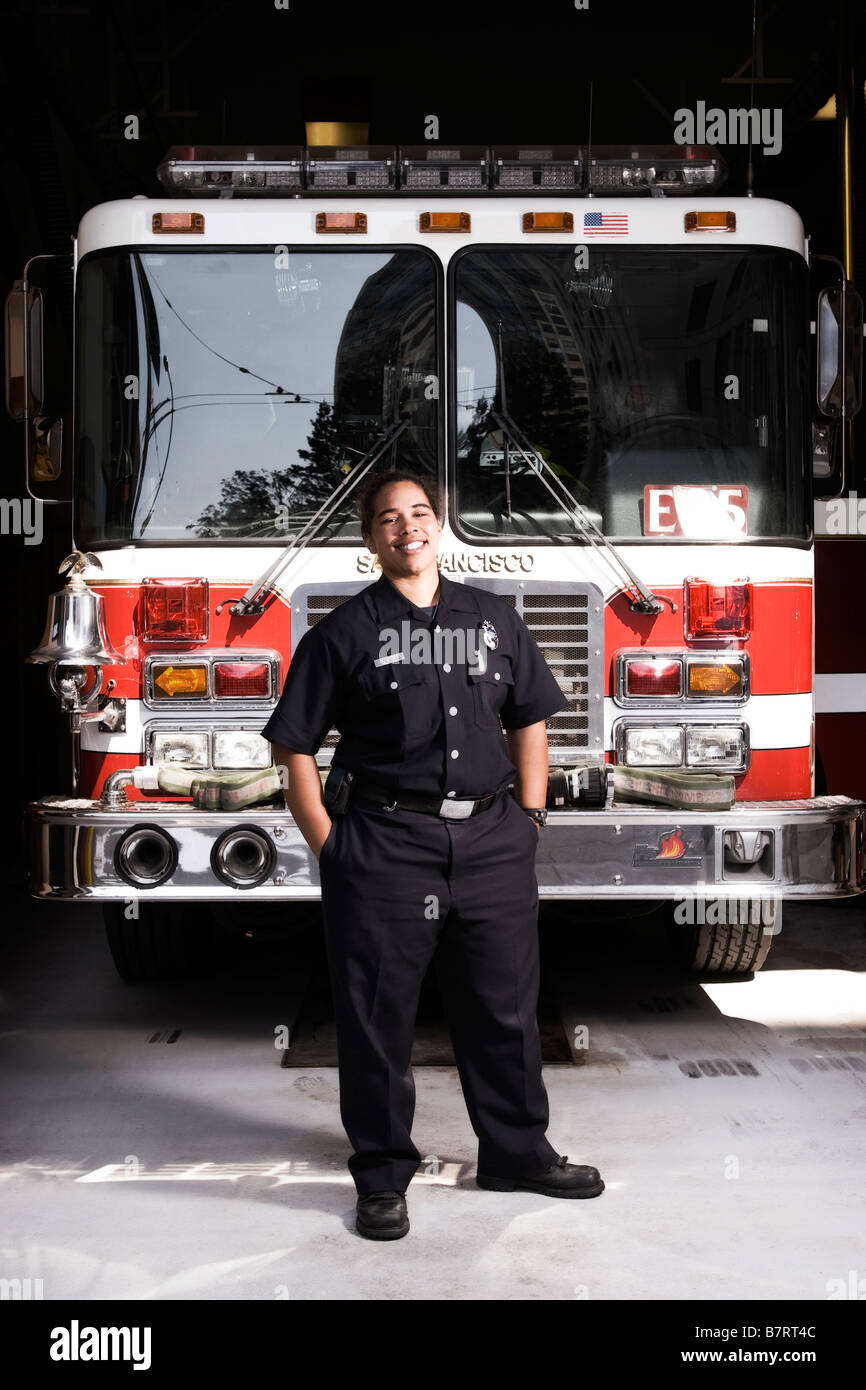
(390, 660)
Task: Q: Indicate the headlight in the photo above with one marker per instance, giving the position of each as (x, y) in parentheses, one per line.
(719, 746)
(652, 747)
(190, 749)
(239, 748)
(710, 747)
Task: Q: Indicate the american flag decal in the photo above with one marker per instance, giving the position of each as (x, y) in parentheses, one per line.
(605, 224)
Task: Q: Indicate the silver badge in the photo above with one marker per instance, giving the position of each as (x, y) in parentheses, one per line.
(488, 632)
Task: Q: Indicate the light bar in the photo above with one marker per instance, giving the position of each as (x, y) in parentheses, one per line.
(345, 169)
(510, 170)
(672, 169)
(233, 169)
(435, 168)
(558, 168)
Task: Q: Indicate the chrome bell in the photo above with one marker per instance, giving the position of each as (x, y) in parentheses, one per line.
(75, 632)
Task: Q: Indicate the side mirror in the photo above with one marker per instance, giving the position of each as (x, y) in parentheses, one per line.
(840, 351)
(25, 383)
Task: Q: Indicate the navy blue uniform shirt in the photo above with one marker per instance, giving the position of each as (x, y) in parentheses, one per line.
(430, 721)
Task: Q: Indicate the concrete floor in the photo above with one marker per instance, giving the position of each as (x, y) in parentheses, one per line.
(727, 1121)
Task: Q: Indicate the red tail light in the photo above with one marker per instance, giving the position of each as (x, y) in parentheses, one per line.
(174, 610)
(241, 678)
(718, 610)
(653, 677)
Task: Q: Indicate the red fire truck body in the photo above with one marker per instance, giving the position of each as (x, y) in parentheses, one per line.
(241, 361)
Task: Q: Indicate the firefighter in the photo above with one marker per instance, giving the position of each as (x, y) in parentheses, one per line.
(422, 849)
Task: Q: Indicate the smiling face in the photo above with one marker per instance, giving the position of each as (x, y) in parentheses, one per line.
(405, 533)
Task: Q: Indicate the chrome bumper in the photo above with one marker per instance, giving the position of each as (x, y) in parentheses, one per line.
(815, 850)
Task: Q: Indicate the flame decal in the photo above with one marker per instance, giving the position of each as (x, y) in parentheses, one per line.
(672, 846)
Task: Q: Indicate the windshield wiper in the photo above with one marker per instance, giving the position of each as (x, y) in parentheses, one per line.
(252, 601)
(640, 598)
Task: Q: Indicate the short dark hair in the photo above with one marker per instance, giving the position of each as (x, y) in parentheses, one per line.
(369, 491)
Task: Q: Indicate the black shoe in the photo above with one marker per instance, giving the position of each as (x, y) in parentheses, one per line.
(562, 1179)
(381, 1215)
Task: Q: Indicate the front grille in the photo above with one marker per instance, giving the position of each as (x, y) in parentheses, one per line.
(320, 605)
(312, 603)
(566, 621)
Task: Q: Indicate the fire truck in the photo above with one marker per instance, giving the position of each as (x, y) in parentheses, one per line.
(621, 380)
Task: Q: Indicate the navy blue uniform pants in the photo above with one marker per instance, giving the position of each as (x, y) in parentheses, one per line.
(399, 887)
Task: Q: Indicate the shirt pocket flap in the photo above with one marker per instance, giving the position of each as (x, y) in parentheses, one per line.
(498, 670)
(390, 679)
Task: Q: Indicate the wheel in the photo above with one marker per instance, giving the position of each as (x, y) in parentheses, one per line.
(724, 936)
(166, 941)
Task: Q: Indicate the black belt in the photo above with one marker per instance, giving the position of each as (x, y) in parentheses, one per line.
(452, 808)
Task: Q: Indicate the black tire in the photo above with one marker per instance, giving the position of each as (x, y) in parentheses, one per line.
(167, 941)
(730, 936)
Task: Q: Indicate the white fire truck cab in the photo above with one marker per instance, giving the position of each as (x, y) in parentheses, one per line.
(608, 366)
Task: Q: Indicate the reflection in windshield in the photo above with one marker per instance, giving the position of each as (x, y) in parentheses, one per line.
(666, 387)
(227, 394)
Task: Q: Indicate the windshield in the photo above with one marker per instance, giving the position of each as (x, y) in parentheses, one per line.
(666, 386)
(226, 393)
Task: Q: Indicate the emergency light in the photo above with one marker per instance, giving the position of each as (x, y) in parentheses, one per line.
(669, 169)
(335, 169)
(434, 169)
(174, 610)
(558, 168)
(505, 170)
(717, 610)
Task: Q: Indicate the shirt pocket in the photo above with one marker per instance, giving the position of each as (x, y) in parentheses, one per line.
(402, 703)
(491, 688)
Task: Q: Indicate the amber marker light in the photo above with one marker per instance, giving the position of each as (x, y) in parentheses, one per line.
(548, 222)
(341, 222)
(445, 222)
(724, 678)
(711, 221)
(169, 681)
(178, 222)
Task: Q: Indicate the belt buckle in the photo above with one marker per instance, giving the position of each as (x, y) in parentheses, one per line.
(456, 810)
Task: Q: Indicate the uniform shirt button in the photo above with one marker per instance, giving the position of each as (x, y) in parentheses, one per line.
(496, 676)
(446, 667)
(454, 753)
(453, 709)
(451, 793)
(393, 685)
